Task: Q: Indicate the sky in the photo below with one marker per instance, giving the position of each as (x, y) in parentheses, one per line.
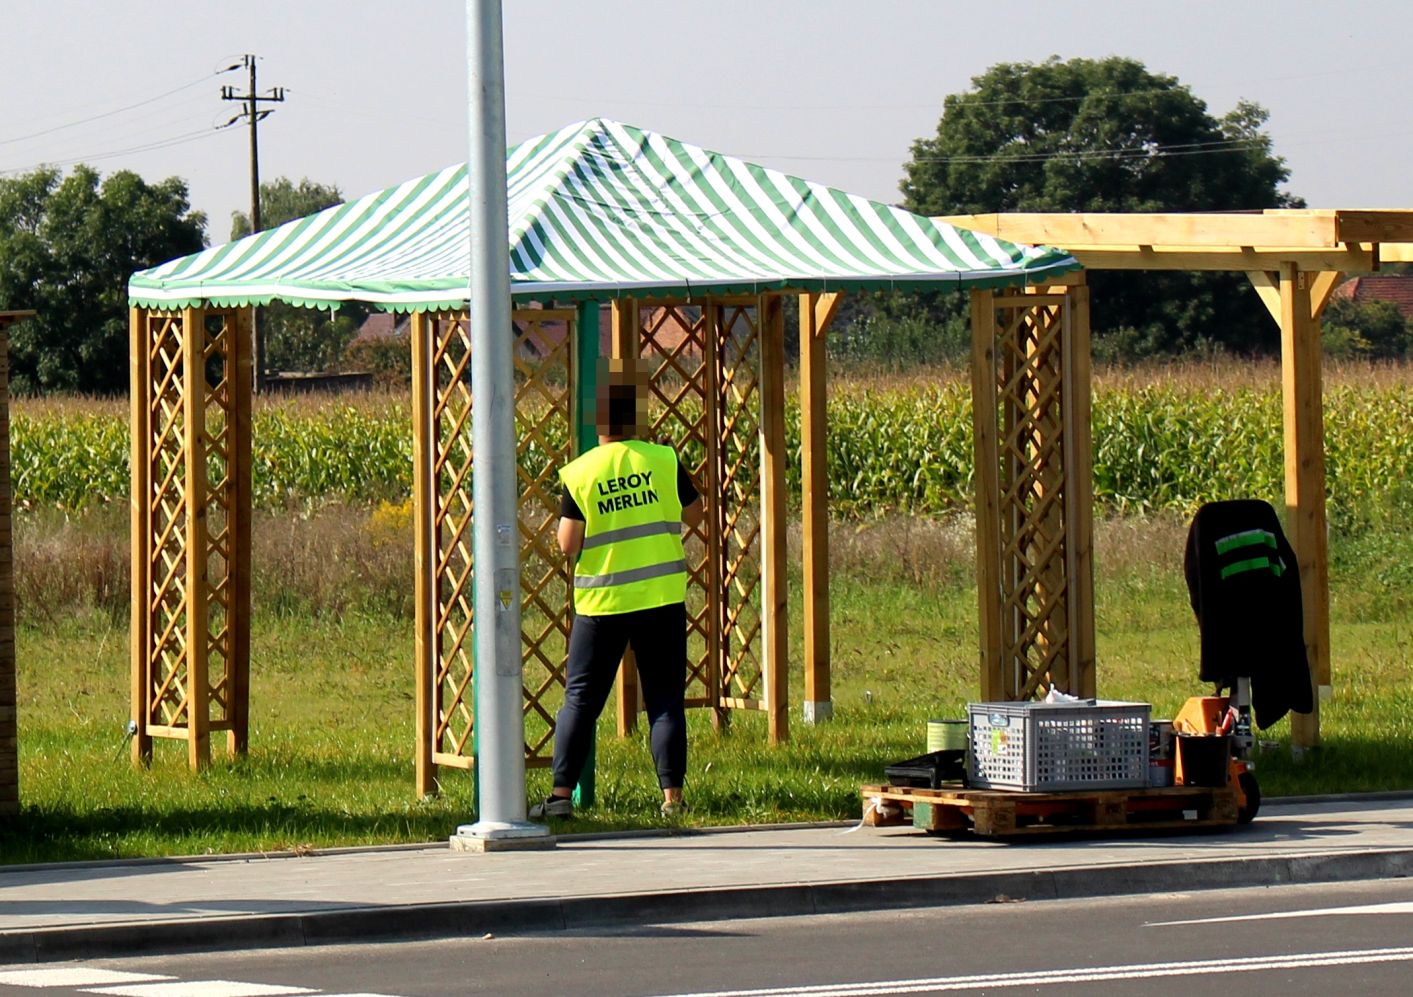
(835, 91)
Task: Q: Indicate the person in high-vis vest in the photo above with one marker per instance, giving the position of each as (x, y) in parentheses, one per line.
(622, 511)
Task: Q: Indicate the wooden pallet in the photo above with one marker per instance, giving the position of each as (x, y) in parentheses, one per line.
(998, 813)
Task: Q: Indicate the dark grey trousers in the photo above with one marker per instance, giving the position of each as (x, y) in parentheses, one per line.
(596, 645)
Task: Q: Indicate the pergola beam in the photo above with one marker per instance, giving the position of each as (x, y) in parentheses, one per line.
(1194, 230)
(1357, 259)
(1396, 252)
(1288, 229)
(1323, 240)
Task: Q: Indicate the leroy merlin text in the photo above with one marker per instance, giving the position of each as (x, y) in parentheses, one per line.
(625, 492)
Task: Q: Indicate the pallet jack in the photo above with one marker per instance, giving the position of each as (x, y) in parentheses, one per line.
(1218, 728)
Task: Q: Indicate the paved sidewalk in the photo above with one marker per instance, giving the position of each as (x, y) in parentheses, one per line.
(90, 909)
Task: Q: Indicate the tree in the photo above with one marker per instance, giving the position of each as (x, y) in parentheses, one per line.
(67, 248)
(300, 338)
(1371, 330)
(1108, 135)
(282, 200)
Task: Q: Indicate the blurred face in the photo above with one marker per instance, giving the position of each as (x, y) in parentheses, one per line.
(621, 407)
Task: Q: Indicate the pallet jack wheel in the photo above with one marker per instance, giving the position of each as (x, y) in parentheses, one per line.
(1252, 791)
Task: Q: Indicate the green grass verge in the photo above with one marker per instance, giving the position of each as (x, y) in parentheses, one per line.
(330, 761)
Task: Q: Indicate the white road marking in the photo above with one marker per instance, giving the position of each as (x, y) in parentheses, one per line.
(71, 976)
(1402, 907)
(940, 984)
(200, 988)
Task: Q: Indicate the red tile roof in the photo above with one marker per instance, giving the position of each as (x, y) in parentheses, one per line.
(1397, 288)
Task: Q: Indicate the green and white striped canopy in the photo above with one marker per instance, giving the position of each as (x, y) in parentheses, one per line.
(598, 209)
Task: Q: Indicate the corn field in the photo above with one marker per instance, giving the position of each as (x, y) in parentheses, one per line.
(1165, 445)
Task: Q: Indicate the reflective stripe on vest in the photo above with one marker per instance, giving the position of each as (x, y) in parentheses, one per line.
(632, 556)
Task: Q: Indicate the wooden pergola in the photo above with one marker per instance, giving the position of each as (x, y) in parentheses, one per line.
(1294, 258)
(9, 735)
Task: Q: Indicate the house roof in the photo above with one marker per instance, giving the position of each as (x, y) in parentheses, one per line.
(1396, 288)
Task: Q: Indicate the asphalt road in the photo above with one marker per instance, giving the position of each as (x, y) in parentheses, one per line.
(1345, 938)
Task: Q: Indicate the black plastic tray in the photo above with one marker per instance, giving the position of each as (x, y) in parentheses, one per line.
(928, 771)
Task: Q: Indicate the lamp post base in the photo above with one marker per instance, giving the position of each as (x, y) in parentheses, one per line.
(501, 836)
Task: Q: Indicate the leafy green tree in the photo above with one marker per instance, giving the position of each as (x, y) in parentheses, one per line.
(1108, 135)
(300, 338)
(67, 247)
(282, 200)
(1372, 330)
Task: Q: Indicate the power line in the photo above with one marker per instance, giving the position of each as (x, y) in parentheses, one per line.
(167, 143)
(111, 113)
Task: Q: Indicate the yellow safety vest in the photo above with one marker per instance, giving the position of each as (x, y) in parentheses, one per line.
(632, 556)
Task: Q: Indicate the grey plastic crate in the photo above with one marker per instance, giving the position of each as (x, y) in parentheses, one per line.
(1058, 746)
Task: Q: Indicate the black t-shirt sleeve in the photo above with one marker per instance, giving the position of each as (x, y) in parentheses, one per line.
(686, 488)
(568, 508)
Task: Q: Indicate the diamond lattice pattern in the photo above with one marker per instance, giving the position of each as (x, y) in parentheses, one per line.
(1034, 597)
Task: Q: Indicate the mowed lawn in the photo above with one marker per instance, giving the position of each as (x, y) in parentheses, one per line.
(331, 740)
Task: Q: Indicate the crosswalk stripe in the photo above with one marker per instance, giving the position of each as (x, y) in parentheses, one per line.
(72, 976)
(200, 988)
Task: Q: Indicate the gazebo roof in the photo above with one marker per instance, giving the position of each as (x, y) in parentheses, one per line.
(598, 209)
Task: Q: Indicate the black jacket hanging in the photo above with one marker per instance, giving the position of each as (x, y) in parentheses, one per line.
(1244, 584)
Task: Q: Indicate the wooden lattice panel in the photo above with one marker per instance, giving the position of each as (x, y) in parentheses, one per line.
(543, 404)
(190, 528)
(1027, 471)
(218, 498)
(453, 602)
(674, 341)
(736, 477)
(166, 698)
(704, 378)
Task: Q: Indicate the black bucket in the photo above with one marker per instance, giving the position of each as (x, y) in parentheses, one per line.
(1205, 758)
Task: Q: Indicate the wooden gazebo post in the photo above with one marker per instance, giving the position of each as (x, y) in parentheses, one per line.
(816, 312)
(775, 644)
(1304, 422)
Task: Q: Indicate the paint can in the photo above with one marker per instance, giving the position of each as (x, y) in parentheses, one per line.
(1160, 754)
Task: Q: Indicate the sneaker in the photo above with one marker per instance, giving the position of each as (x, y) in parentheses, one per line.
(553, 806)
(674, 808)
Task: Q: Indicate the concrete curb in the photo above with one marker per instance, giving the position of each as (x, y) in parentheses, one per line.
(365, 924)
(407, 846)
(1385, 796)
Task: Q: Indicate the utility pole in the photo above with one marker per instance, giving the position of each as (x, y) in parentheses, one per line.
(253, 115)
